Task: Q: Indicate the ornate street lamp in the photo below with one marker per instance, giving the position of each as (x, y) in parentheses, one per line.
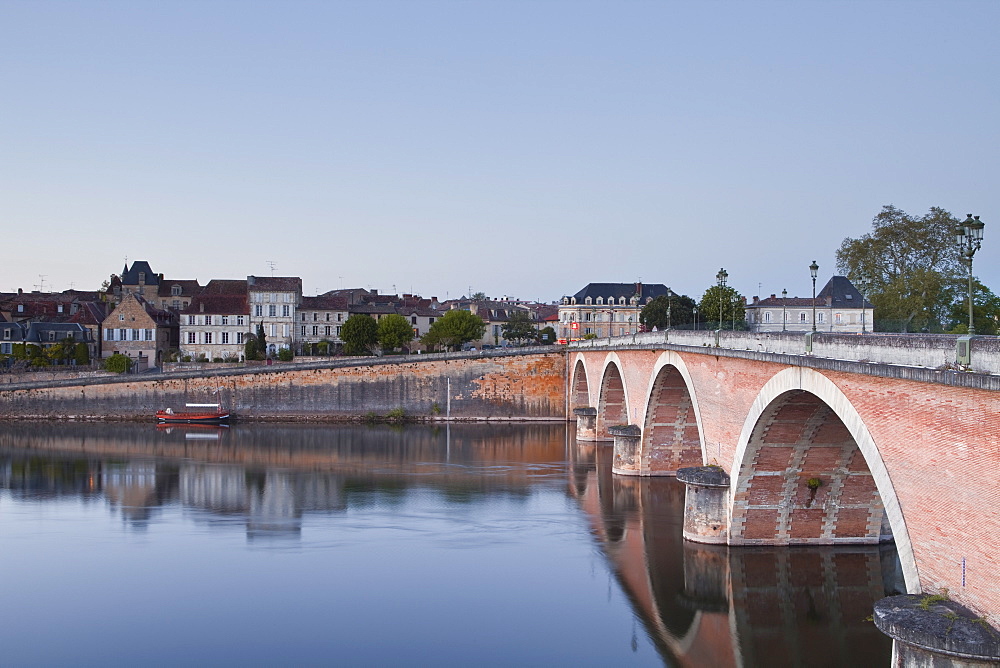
(862, 284)
(784, 313)
(813, 270)
(721, 278)
(969, 237)
(695, 309)
(668, 309)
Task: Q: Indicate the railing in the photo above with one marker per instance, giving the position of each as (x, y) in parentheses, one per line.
(979, 354)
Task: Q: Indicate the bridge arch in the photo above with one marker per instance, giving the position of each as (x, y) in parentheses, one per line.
(797, 409)
(672, 435)
(580, 387)
(612, 406)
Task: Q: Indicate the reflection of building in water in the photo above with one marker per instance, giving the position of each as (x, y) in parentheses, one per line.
(220, 489)
(712, 605)
(272, 506)
(132, 486)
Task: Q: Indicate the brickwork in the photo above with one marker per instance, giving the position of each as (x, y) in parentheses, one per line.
(671, 440)
(581, 392)
(927, 451)
(612, 409)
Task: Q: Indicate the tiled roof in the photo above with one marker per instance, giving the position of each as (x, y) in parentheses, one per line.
(325, 302)
(275, 283)
(218, 305)
(188, 287)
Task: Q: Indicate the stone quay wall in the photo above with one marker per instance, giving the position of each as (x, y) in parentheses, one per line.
(491, 386)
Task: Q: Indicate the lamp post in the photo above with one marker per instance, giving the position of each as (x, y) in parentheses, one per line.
(784, 312)
(721, 278)
(813, 270)
(862, 284)
(668, 309)
(695, 310)
(969, 237)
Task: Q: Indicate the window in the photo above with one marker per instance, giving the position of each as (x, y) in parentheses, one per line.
(225, 320)
(274, 329)
(838, 318)
(284, 331)
(767, 316)
(286, 297)
(338, 330)
(303, 316)
(340, 317)
(820, 317)
(59, 308)
(109, 335)
(6, 334)
(327, 333)
(52, 336)
(587, 331)
(272, 310)
(142, 277)
(20, 309)
(208, 320)
(208, 337)
(600, 300)
(328, 317)
(239, 337)
(225, 337)
(621, 331)
(802, 317)
(413, 319)
(191, 319)
(303, 330)
(121, 317)
(239, 320)
(286, 311)
(191, 337)
(315, 330)
(122, 335)
(429, 321)
(176, 303)
(175, 291)
(315, 316)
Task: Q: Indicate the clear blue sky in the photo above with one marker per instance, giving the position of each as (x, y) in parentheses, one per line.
(521, 148)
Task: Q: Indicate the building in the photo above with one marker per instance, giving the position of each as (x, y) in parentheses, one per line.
(215, 324)
(177, 295)
(319, 320)
(605, 309)
(840, 307)
(273, 304)
(141, 331)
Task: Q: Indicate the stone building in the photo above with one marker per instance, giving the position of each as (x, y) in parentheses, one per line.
(319, 320)
(139, 330)
(273, 303)
(605, 309)
(215, 325)
(840, 307)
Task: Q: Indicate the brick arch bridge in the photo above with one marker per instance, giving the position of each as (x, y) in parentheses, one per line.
(818, 452)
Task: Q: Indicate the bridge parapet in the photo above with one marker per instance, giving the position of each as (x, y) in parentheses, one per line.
(933, 351)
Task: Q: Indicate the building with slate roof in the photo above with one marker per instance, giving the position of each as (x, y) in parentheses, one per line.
(320, 319)
(605, 309)
(840, 307)
(138, 329)
(273, 303)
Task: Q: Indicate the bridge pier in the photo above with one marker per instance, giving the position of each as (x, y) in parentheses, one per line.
(935, 632)
(628, 451)
(705, 504)
(586, 423)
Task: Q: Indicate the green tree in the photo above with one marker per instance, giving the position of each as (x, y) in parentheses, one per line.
(250, 351)
(360, 334)
(286, 355)
(81, 354)
(261, 342)
(654, 314)
(455, 328)
(911, 267)
(727, 301)
(479, 297)
(519, 327)
(985, 311)
(118, 363)
(547, 336)
(394, 331)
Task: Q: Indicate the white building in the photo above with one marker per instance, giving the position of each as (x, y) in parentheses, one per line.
(839, 307)
(273, 303)
(605, 309)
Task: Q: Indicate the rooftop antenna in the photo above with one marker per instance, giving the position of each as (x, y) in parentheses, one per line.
(271, 264)
(41, 286)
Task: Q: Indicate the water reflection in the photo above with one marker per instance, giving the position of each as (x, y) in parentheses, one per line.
(709, 605)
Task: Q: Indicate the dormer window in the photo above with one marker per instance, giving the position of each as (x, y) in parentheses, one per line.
(142, 277)
(588, 301)
(621, 300)
(848, 296)
(565, 300)
(20, 308)
(175, 291)
(573, 300)
(121, 317)
(59, 308)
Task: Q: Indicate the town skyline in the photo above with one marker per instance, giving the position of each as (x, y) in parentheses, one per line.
(519, 149)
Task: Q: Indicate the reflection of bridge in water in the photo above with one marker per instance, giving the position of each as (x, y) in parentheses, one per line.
(711, 605)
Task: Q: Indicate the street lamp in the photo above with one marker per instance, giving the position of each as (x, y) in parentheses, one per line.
(668, 309)
(969, 237)
(695, 310)
(721, 278)
(813, 270)
(784, 313)
(862, 284)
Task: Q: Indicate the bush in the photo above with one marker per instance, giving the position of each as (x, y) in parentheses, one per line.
(186, 358)
(286, 355)
(81, 354)
(218, 360)
(118, 363)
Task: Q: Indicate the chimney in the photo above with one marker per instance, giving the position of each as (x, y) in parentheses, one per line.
(20, 291)
(773, 296)
(251, 279)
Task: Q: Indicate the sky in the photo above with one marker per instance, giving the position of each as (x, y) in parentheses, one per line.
(516, 148)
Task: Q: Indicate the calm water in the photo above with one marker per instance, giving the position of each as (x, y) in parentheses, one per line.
(276, 544)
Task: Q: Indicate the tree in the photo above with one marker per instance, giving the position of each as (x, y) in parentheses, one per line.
(360, 334)
(479, 297)
(519, 327)
(911, 266)
(455, 328)
(81, 354)
(726, 300)
(261, 342)
(250, 349)
(286, 355)
(985, 311)
(654, 314)
(547, 336)
(118, 363)
(394, 331)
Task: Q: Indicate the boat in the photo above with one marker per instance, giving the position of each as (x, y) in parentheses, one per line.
(194, 413)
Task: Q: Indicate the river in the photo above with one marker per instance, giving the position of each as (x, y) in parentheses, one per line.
(268, 544)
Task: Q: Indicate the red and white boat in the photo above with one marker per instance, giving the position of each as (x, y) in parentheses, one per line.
(194, 413)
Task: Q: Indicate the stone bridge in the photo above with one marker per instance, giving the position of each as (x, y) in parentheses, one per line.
(814, 440)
